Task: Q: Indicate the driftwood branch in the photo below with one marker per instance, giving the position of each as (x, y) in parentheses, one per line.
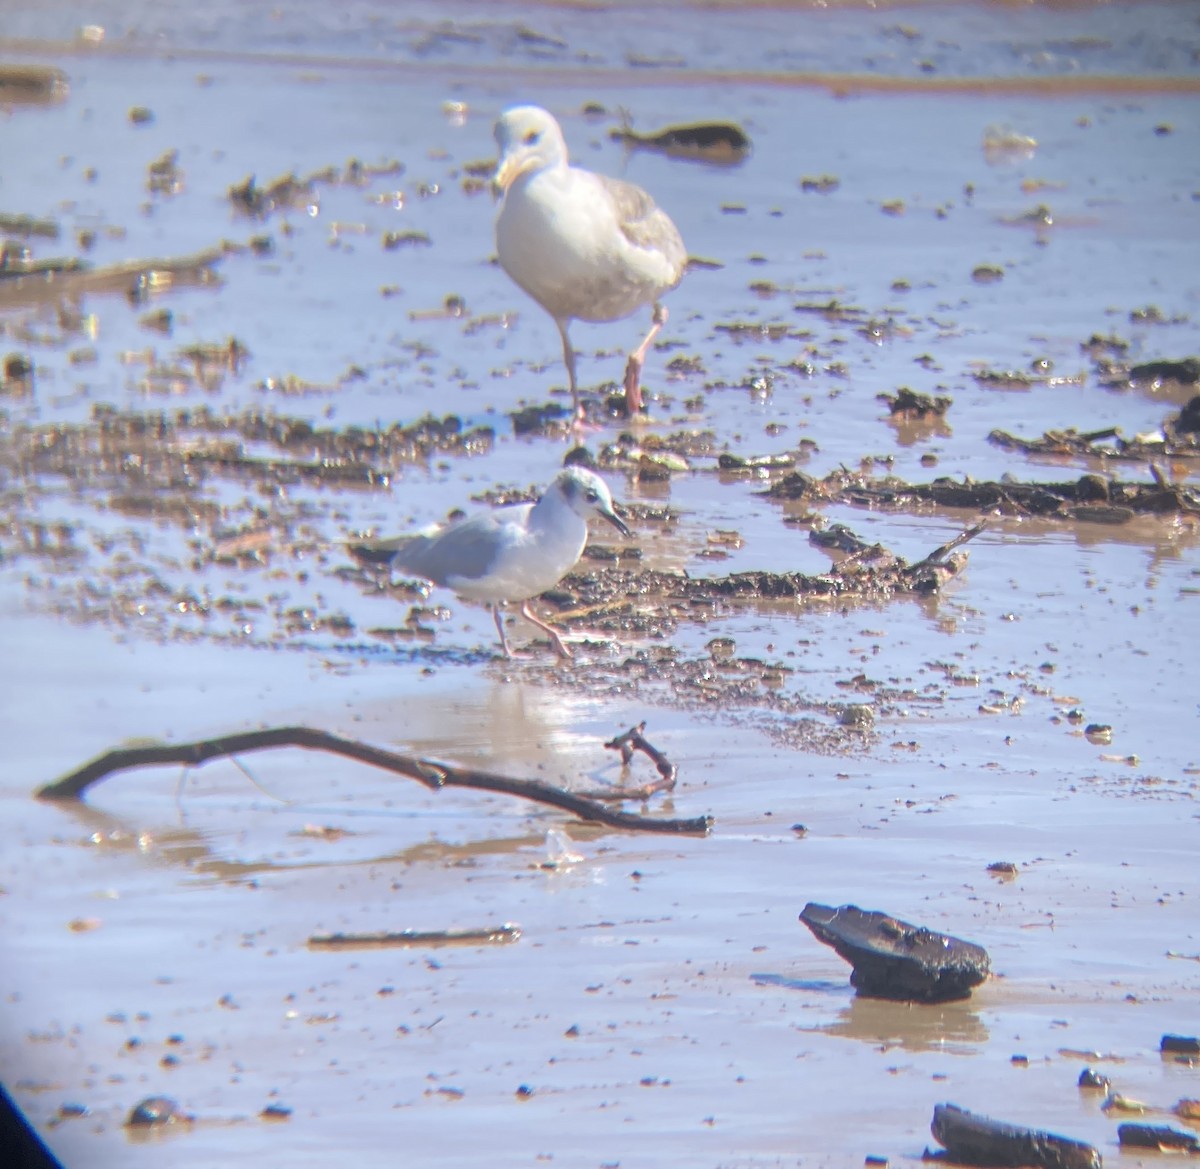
(434, 775)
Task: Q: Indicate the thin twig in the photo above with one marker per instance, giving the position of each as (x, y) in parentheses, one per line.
(633, 740)
(940, 554)
(629, 742)
(432, 774)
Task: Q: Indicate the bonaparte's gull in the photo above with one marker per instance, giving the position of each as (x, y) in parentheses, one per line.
(509, 554)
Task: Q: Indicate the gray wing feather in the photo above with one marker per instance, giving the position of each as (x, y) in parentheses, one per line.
(643, 223)
(465, 550)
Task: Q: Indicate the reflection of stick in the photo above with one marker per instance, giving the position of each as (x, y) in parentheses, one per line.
(434, 775)
(501, 933)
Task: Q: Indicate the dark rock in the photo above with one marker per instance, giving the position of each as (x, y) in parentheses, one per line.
(977, 1140)
(1185, 371)
(895, 960)
(1157, 1136)
(719, 142)
(1188, 421)
(155, 1111)
(913, 404)
(1097, 1081)
(797, 485)
(1180, 1045)
(535, 419)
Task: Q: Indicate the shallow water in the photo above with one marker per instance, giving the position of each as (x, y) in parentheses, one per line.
(663, 1004)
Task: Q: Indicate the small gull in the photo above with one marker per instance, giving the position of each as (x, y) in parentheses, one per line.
(586, 247)
(510, 554)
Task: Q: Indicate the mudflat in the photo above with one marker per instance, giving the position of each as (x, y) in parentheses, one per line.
(943, 274)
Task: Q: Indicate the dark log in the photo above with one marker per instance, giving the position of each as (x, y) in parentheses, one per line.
(977, 1140)
(895, 960)
(433, 774)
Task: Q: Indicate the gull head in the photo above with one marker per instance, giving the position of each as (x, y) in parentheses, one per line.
(586, 494)
(529, 139)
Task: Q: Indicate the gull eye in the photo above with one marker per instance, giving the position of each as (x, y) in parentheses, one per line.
(531, 136)
(592, 495)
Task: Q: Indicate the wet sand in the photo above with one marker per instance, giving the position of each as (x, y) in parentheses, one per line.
(663, 1005)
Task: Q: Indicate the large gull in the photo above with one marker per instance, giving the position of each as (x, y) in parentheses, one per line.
(585, 246)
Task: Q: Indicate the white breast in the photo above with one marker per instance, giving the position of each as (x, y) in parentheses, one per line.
(559, 238)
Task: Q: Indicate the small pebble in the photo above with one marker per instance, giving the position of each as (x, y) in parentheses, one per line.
(155, 1111)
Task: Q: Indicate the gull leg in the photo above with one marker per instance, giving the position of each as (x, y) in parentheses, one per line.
(498, 617)
(560, 646)
(637, 359)
(569, 361)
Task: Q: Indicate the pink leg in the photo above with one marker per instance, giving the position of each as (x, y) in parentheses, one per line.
(498, 617)
(637, 359)
(560, 646)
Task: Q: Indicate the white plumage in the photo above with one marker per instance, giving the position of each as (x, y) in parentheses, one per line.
(584, 246)
(509, 554)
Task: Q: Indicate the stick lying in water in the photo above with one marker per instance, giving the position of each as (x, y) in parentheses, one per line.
(432, 774)
(633, 740)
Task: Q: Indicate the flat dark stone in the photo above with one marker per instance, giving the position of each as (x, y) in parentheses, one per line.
(1185, 371)
(978, 1140)
(1157, 1136)
(1180, 1044)
(895, 960)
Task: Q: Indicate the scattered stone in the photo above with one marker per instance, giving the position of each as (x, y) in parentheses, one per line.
(1185, 371)
(1093, 1081)
(895, 960)
(1157, 1136)
(28, 225)
(858, 715)
(1188, 419)
(732, 462)
(1180, 1045)
(31, 83)
(157, 1111)
(913, 405)
(978, 1140)
(719, 142)
(1003, 868)
(405, 239)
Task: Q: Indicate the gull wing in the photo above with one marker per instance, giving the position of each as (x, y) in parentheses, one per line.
(643, 223)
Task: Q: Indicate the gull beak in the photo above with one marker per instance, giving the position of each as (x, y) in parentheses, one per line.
(617, 522)
(509, 167)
